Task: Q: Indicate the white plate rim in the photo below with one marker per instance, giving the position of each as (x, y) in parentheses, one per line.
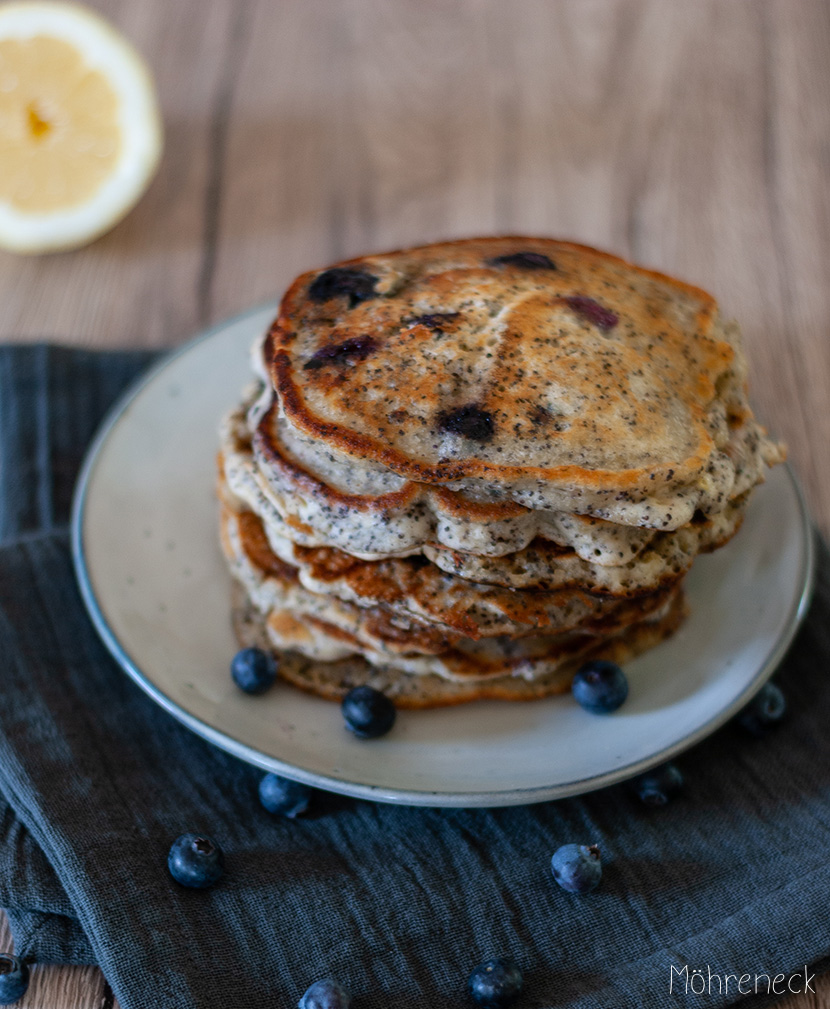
(434, 798)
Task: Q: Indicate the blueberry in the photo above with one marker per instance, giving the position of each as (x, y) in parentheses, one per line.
(14, 978)
(496, 984)
(764, 711)
(368, 712)
(356, 285)
(469, 421)
(603, 318)
(253, 670)
(283, 796)
(600, 686)
(524, 260)
(326, 994)
(577, 867)
(195, 860)
(347, 352)
(660, 786)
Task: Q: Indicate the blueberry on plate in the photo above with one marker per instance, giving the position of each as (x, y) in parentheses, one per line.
(283, 796)
(764, 711)
(195, 860)
(368, 712)
(14, 978)
(599, 686)
(325, 994)
(495, 984)
(577, 867)
(659, 786)
(253, 670)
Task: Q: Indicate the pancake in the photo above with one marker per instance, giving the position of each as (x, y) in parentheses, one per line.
(314, 514)
(583, 547)
(463, 469)
(547, 565)
(414, 587)
(333, 679)
(515, 370)
(384, 616)
(395, 516)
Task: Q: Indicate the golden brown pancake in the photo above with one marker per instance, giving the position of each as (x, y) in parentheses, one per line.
(589, 554)
(468, 467)
(391, 624)
(415, 589)
(517, 369)
(418, 517)
(332, 680)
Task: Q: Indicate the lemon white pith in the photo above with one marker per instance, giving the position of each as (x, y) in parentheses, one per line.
(80, 132)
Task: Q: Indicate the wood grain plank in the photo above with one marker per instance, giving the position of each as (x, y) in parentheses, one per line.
(817, 999)
(54, 987)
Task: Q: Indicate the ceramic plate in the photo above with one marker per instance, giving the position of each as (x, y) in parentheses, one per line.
(156, 586)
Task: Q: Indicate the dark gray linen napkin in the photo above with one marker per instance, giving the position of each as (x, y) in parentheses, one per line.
(399, 904)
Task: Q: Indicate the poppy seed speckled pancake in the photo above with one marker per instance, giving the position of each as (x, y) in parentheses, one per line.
(307, 509)
(394, 612)
(415, 588)
(334, 678)
(543, 564)
(464, 469)
(547, 565)
(280, 489)
(517, 370)
(326, 630)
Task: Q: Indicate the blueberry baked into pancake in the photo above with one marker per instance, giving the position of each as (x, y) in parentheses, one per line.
(465, 468)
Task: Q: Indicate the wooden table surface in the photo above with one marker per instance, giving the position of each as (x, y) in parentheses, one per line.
(692, 137)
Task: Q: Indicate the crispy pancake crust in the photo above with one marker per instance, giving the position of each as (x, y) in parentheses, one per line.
(441, 524)
(548, 566)
(394, 607)
(332, 680)
(469, 361)
(315, 514)
(416, 588)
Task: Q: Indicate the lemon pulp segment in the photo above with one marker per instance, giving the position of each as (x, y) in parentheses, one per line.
(59, 132)
(80, 129)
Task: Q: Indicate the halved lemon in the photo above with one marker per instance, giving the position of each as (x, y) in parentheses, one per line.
(80, 131)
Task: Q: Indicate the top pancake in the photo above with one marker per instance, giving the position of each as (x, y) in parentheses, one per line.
(516, 368)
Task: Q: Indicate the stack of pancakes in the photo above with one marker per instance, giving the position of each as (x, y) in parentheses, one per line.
(466, 468)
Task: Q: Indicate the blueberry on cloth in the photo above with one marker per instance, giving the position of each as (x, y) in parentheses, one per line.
(195, 860)
(659, 786)
(599, 686)
(495, 984)
(326, 994)
(368, 712)
(253, 670)
(283, 796)
(577, 867)
(14, 978)
(764, 711)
